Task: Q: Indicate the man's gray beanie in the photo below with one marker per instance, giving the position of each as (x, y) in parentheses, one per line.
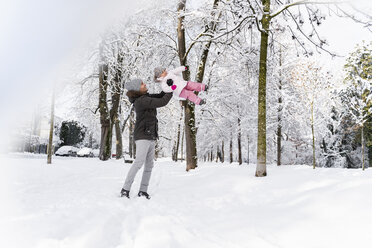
(158, 71)
(134, 84)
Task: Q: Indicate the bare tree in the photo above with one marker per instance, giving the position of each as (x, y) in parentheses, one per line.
(177, 145)
(240, 159)
(106, 127)
(116, 92)
(231, 149)
(191, 161)
(280, 107)
(190, 128)
(51, 130)
(262, 15)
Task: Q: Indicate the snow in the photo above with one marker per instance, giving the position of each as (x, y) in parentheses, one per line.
(86, 151)
(75, 203)
(65, 150)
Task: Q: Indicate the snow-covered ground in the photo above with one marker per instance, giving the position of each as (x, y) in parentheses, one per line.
(75, 203)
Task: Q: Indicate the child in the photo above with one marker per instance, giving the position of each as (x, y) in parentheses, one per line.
(172, 81)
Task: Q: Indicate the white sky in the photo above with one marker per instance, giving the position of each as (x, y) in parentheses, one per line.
(39, 37)
(343, 34)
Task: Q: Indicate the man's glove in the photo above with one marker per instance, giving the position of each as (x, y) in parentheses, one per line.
(170, 82)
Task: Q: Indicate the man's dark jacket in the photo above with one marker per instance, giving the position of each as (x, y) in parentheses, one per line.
(146, 126)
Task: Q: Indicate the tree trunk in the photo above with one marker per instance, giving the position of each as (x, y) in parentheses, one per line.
(106, 131)
(134, 149)
(248, 149)
(90, 145)
(362, 140)
(231, 150)
(279, 142)
(190, 130)
(296, 153)
(211, 28)
(156, 150)
(119, 140)
(240, 159)
(223, 152)
(261, 134)
(182, 141)
(217, 153)
(369, 156)
(115, 98)
(312, 131)
(174, 152)
(280, 107)
(178, 139)
(50, 143)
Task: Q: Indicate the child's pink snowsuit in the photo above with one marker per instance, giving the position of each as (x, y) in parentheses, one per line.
(174, 82)
(188, 91)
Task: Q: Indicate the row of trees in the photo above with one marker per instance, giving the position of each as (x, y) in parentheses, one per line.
(227, 45)
(351, 123)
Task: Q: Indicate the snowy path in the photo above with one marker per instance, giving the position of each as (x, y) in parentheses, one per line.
(75, 203)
